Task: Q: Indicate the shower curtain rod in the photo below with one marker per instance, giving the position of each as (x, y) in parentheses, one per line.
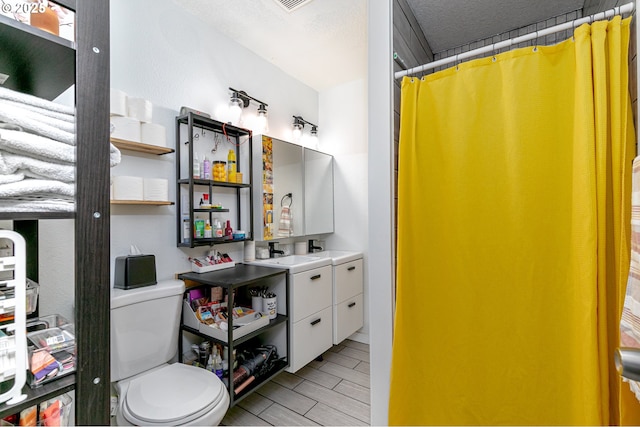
(506, 43)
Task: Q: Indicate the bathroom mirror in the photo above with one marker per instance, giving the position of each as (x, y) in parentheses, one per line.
(318, 192)
(278, 196)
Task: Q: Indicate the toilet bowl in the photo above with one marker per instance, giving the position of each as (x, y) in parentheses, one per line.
(173, 394)
(144, 339)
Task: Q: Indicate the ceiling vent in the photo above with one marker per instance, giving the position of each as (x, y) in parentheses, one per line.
(291, 5)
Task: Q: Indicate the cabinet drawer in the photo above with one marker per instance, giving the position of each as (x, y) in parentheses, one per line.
(311, 292)
(348, 317)
(349, 280)
(311, 337)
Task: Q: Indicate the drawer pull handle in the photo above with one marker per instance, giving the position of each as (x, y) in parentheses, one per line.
(316, 277)
(352, 305)
(315, 322)
(353, 267)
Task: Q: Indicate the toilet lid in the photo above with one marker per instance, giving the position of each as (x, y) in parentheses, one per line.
(176, 392)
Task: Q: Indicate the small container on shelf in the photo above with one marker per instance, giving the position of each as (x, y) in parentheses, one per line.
(7, 301)
(51, 351)
(219, 170)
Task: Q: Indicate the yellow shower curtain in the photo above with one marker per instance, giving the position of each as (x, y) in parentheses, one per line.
(513, 236)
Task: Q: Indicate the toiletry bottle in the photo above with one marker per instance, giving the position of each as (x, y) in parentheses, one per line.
(228, 231)
(208, 233)
(231, 166)
(218, 230)
(206, 166)
(210, 364)
(217, 365)
(196, 166)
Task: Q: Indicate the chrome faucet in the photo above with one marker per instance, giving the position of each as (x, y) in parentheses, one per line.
(313, 247)
(273, 251)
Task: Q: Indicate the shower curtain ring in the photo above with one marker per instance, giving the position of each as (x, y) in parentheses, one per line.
(535, 47)
(456, 62)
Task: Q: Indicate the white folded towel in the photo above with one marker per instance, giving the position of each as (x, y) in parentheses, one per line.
(38, 147)
(37, 204)
(27, 166)
(37, 123)
(37, 187)
(69, 118)
(27, 99)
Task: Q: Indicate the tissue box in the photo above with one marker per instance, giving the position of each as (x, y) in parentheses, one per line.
(135, 271)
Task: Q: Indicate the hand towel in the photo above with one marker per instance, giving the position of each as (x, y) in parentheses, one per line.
(35, 168)
(630, 322)
(37, 204)
(285, 225)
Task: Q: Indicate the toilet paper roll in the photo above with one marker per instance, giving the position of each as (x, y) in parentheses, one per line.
(138, 108)
(153, 134)
(126, 128)
(118, 102)
(300, 248)
(249, 250)
(128, 188)
(155, 189)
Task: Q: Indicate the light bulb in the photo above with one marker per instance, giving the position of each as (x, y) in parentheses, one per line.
(262, 123)
(297, 132)
(235, 110)
(313, 139)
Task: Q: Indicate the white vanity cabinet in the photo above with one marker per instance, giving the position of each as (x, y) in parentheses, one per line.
(348, 309)
(311, 320)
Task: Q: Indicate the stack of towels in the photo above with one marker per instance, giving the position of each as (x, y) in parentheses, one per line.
(37, 154)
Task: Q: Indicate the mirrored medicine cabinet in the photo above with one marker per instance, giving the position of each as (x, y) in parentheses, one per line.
(293, 194)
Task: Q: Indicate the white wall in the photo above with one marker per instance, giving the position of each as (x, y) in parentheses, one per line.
(381, 256)
(343, 114)
(162, 53)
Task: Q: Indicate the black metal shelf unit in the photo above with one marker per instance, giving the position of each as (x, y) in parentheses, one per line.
(191, 121)
(45, 65)
(232, 279)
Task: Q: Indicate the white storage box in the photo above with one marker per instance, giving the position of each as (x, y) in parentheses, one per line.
(215, 267)
(189, 318)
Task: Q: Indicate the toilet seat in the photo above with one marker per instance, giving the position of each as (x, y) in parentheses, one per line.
(173, 394)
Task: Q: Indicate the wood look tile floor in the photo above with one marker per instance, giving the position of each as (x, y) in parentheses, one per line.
(331, 392)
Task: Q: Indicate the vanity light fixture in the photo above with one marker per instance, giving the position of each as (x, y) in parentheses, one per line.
(240, 100)
(298, 127)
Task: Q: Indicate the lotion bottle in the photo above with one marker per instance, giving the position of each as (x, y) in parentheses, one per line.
(196, 166)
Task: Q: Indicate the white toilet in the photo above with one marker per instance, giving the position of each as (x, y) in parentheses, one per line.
(144, 338)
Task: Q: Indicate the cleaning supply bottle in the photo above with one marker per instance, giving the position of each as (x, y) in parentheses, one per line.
(208, 232)
(231, 166)
(228, 231)
(206, 168)
(196, 166)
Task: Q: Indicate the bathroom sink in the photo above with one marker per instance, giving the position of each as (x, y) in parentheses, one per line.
(337, 257)
(295, 263)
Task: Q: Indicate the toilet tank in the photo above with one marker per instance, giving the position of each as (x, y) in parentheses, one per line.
(144, 327)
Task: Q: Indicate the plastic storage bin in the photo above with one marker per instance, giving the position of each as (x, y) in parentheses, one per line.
(51, 350)
(7, 305)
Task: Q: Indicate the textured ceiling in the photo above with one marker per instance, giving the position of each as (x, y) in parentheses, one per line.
(322, 43)
(451, 23)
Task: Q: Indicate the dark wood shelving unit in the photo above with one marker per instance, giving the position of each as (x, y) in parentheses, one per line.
(44, 65)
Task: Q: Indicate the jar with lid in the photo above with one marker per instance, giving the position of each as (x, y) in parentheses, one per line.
(219, 170)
